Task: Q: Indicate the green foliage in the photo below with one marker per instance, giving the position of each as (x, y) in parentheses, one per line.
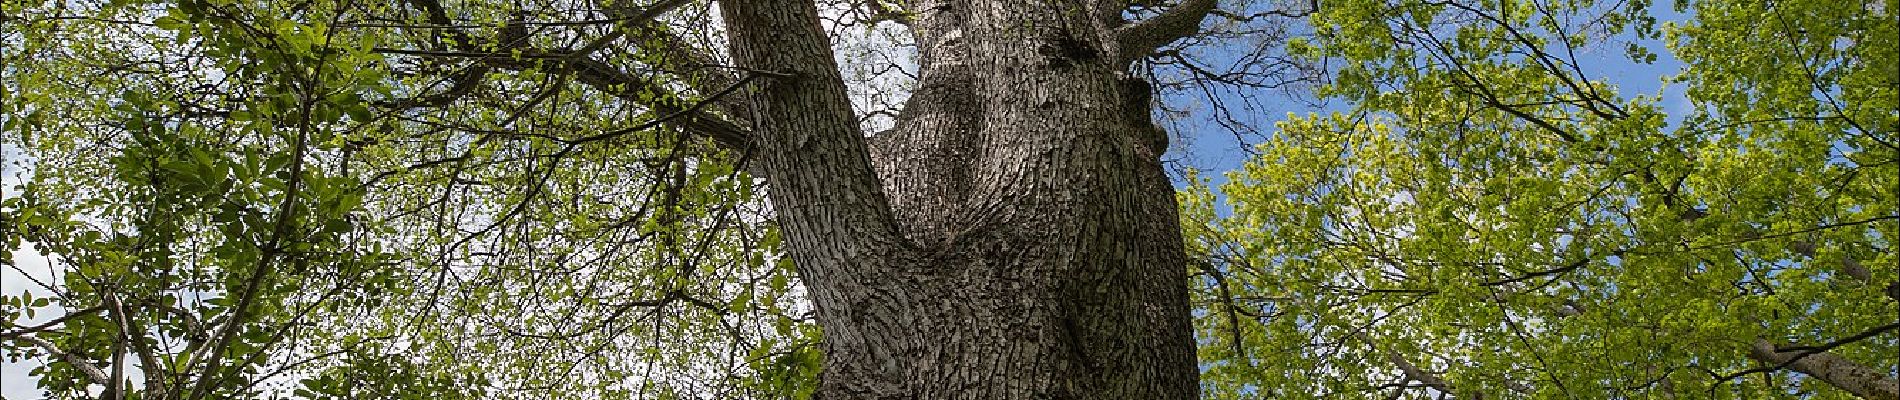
(385, 377)
(1514, 227)
(288, 199)
(421, 199)
(186, 244)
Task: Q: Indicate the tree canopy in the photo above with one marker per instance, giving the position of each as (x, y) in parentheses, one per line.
(358, 199)
(386, 200)
(1494, 218)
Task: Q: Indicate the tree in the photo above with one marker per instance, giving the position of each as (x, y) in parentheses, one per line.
(1012, 235)
(1495, 220)
(1025, 244)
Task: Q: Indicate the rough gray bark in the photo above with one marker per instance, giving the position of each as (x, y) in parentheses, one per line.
(1013, 237)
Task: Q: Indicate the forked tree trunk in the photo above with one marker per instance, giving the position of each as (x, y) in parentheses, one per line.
(1013, 238)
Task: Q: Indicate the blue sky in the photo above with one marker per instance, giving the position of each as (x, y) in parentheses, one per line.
(1214, 150)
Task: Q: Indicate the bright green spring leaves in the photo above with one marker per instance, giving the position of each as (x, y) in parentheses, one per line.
(1493, 219)
(260, 199)
(176, 189)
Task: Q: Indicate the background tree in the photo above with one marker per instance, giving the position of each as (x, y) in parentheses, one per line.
(1494, 220)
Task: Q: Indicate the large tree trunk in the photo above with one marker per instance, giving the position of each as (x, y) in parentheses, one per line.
(1014, 237)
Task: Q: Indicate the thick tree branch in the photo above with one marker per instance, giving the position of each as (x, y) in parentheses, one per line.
(1134, 41)
(1412, 371)
(635, 16)
(838, 225)
(1816, 361)
(810, 145)
(516, 54)
(1861, 380)
(698, 68)
(735, 140)
(673, 53)
(606, 78)
(620, 84)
